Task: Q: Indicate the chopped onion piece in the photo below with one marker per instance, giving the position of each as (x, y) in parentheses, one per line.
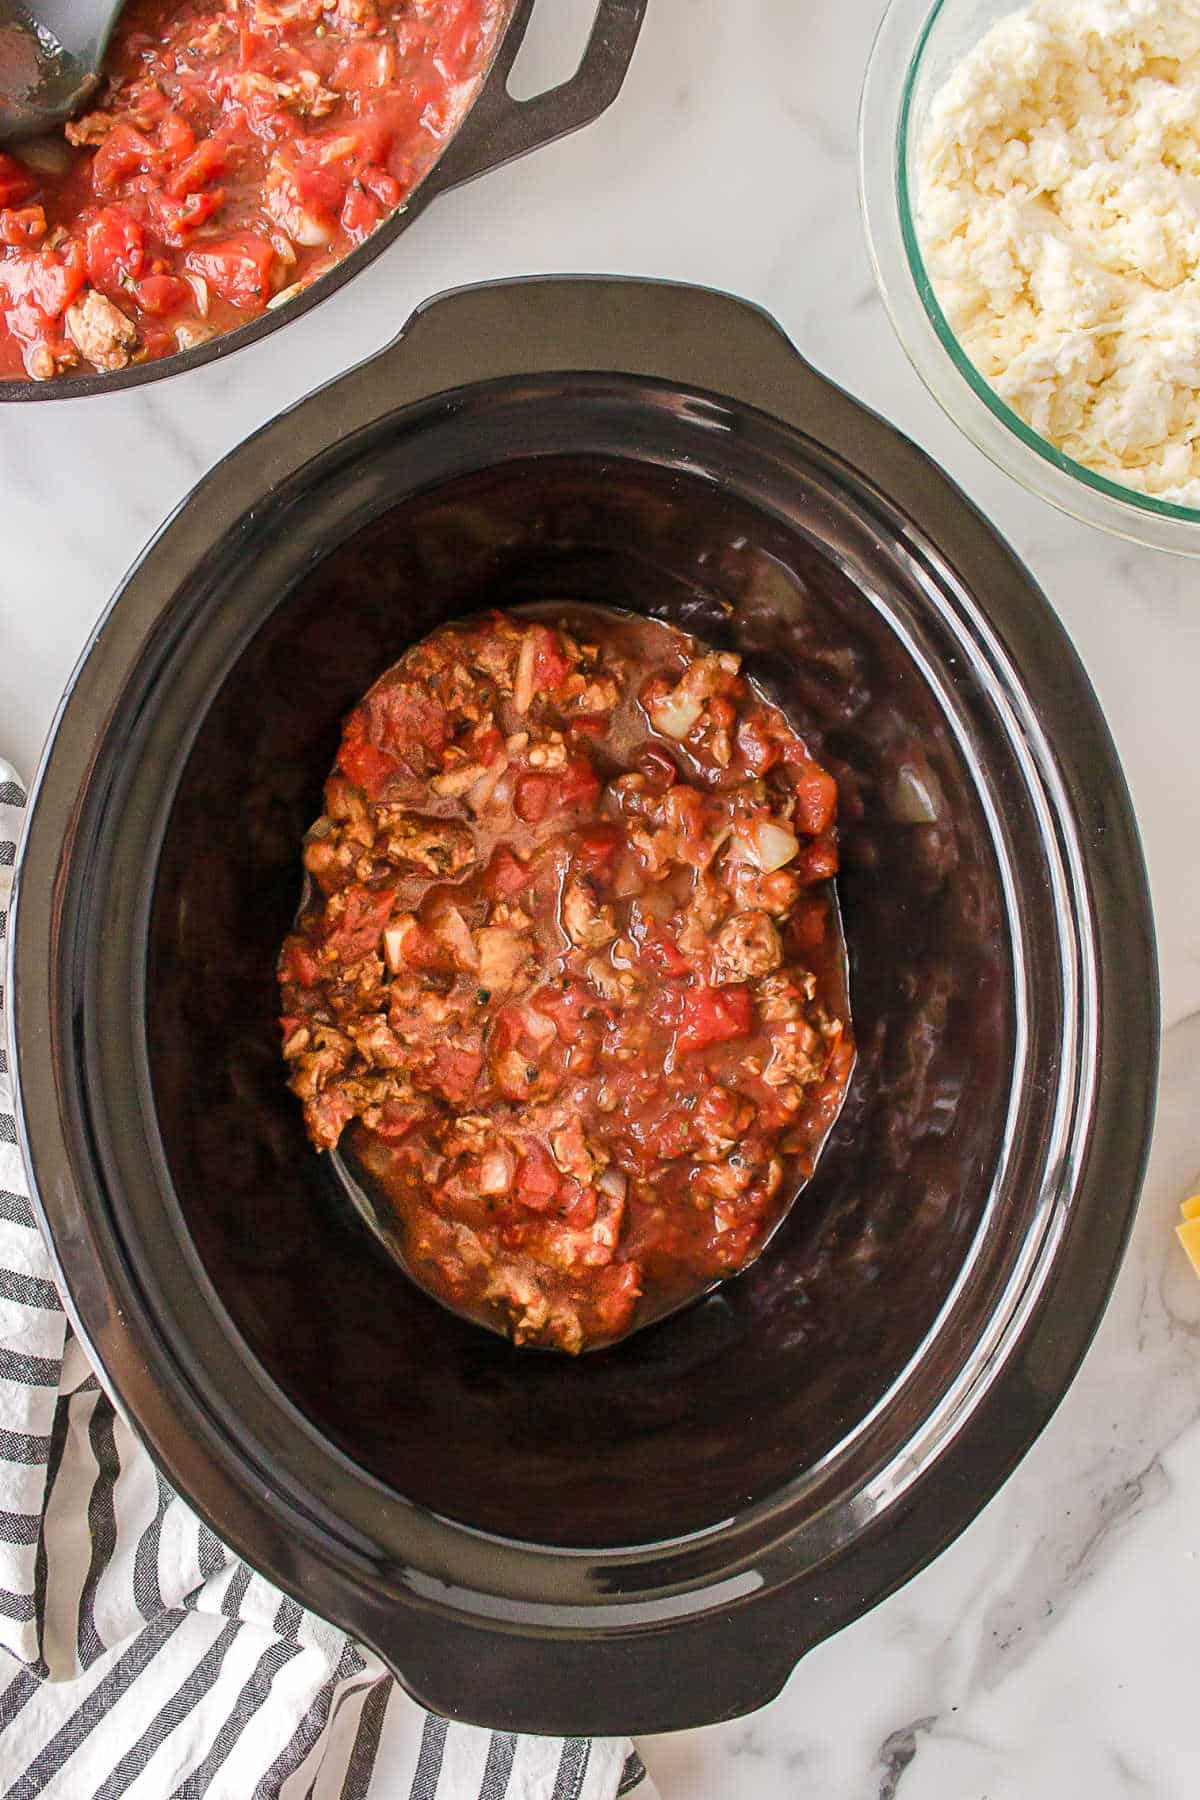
(610, 1208)
(393, 938)
(486, 785)
(676, 713)
(523, 680)
(199, 289)
(767, 845)
(283, 247)
(496, 1170)
(456, 781)
(188, 336)
(455, 933)
(913, 800)
(775, 845)
(612, 1183)
(286, 294)
(538, 1026)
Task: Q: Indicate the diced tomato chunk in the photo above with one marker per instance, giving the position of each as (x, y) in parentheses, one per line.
(364, 66)
(567, 1005)
(237, 267)
(160, 295)
(816, 798)
(550, 666)
(49, 279)
(207, 161)
(817, 861)
(398, 1117)
(179, 220)
(486, 744)
(408, 723)
(115, 248)
(297, 963)
(713, 1016)
(757, 748)
(17, 182)
(361, 925)
(461, 36)
(176, 141)
(810, 923)
(617, 1290)
(21, 225)
(455, 1071)
(544, 795)
(685, 814)
(657, 949)
(578, 1204)
(384, 187)
(421, 950)
(124, 152)
(319, 186)
(537, 1179)
(360, 212)
(367, 766)
(597, 848)
(505, 874)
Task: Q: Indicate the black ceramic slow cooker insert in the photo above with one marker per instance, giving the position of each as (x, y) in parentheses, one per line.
(651, 1536)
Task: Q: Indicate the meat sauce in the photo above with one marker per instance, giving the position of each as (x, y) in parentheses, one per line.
(570, 965)
(236, 151)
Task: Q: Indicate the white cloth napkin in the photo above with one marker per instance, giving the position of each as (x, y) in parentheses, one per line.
(138, 1656)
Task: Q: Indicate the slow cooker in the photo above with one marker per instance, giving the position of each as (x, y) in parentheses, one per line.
(651, 1536)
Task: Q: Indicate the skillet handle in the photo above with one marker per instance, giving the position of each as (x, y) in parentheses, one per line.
(499, 128)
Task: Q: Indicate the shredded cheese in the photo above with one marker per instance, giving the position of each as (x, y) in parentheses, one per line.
(1059, 216)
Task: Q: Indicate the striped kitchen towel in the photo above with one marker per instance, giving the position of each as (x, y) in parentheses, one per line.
(138, 1656)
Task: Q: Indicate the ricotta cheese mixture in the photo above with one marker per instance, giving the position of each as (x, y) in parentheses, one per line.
(1058, 208)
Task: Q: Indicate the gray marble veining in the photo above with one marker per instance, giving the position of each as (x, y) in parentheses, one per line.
(1051, 1652)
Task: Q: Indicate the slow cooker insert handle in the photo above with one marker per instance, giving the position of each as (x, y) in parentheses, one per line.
(499, 128)
(695, 338)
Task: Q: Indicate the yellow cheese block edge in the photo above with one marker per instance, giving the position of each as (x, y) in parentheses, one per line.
(1191, 1208)
(1189, 1237)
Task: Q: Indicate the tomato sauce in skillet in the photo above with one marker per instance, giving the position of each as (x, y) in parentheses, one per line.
(235, 152)
(569, 966)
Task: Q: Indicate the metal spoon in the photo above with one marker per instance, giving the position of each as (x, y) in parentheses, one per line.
(50, 64)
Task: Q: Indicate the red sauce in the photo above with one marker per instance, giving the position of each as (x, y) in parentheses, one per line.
(570, 963)
(235, 153)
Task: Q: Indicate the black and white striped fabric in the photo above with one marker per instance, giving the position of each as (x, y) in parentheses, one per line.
(138, 1656)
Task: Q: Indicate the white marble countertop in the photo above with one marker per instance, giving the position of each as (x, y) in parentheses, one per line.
(1052, 1650)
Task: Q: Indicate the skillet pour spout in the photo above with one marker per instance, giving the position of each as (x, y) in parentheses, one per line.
(690, 1512)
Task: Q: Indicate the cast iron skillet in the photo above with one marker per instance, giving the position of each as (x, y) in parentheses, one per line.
(495, 129)
(651, 1536)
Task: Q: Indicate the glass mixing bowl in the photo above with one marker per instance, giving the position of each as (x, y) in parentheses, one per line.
(917, 47)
